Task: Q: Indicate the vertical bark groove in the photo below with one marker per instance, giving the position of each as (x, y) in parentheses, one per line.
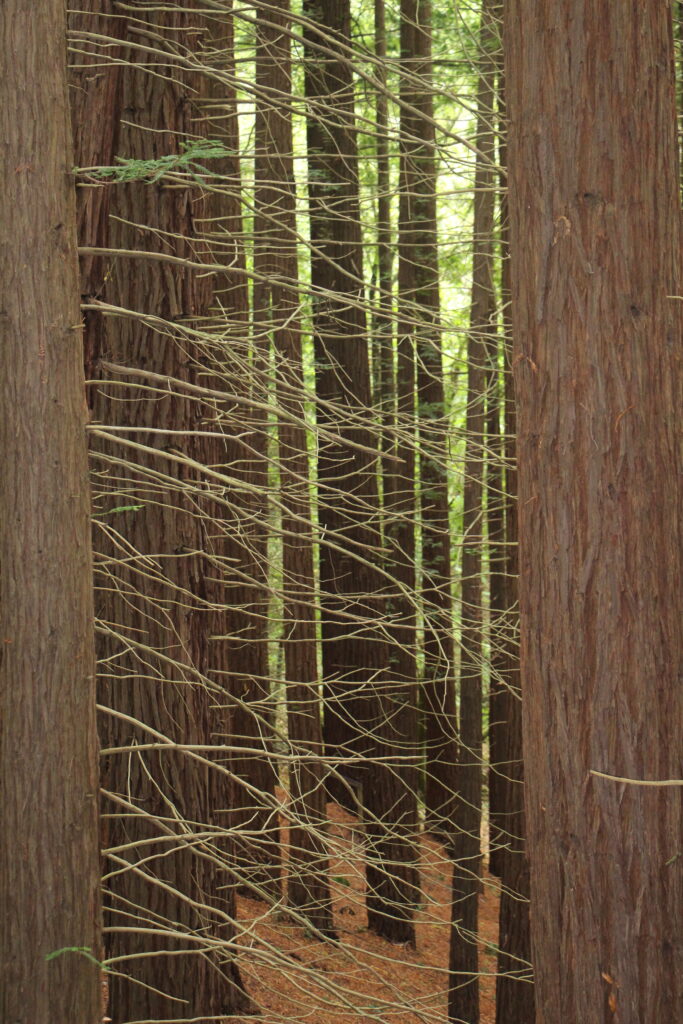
(595, 238)
(49, 865)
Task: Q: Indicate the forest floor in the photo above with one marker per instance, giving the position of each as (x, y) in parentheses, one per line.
(363, 978)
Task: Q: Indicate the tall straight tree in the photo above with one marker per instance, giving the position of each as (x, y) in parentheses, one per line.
(366, 714)
(499, 504)
(242, 621)
(596, 249)
(161, 671)
(420, 306)
(49, 865)
(277, 313)
(464, 992)
(514, 991)
(384, 388)
(352, 654)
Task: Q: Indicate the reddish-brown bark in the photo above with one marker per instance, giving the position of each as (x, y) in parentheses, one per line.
(95, 99)
(420, 306)
(278, 315)
(463, 1003)
(49, 866)
(352, 651)
(367, 711)
(243, 617)
(514, 992)
(160, 577)
(595, 242)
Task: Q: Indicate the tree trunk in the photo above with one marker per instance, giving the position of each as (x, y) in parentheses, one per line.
(353, 651)
(514, 987)
(514, 984)
(464, 993)
(595, 238)
(249, 715)
(160, 571)
(384, 384)
(419, 299)
(278, 313)
(500, 638)
(95, 93)
(49, 867)
(366, 713)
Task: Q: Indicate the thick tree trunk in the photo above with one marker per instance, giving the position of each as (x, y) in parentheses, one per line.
(278, 314)
(160, 577)
(464, 994)
(49, 866)
(595, 239)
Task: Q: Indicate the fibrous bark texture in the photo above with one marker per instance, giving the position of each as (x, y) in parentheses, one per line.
(515, 992)
(249, 713)
(95, 100)
(595, 243)
(161, 573)
(49, 865)
(352, 649)
(367, 712)
(278, 314)
(420, 312)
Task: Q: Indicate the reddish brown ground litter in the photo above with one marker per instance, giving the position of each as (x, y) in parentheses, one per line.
(295, 978)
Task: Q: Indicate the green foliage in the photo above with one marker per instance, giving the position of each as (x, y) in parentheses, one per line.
(85, 951)
(119, 508)
(187, 161)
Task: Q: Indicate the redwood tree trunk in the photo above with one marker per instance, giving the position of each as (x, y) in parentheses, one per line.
(420, 304)
(243, 617)
(278, 314)
(464, 993)
(353, 652)
(160, 576)
(369, 709)
(595, 242)
(515, 991)
(384, 387)
(49, 865)
(95, 99)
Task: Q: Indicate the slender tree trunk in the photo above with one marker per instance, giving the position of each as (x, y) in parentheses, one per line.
(384, 385)
(514, 990)
(159, 594)
(366, 713)
(95, 99)
(464, 993)
(502, 590)
(419, 293)
(49, 869)
(352, 651)
(276, 265)
(499, 612)
(595, 238)
(252, 820)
